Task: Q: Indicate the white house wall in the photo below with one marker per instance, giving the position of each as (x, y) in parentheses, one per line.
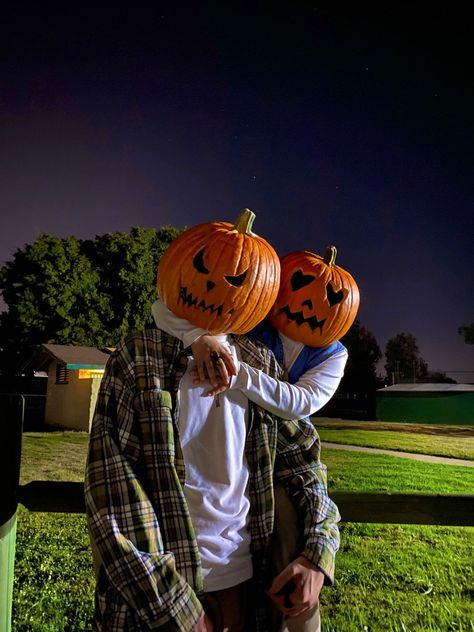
(68, 405)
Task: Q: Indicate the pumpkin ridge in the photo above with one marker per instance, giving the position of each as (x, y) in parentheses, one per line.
(272, 277)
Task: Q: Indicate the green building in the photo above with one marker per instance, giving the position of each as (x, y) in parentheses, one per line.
(426, 403)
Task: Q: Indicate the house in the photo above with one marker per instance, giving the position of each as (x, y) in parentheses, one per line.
(427, 403)
(74, 375)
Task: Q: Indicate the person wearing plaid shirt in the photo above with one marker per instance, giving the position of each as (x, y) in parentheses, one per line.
(147, 561)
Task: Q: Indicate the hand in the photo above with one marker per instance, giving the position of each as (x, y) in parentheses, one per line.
(214, 363)
(304, 581)
(204, 624)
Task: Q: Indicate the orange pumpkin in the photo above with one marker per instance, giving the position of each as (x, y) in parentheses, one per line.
(317, 302)
(220, 277)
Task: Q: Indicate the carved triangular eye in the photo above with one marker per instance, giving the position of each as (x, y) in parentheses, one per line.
(198, 262)
(236, 280)
(334, 297)
(299, 280)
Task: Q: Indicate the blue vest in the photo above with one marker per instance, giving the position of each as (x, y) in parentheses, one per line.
(308, 358)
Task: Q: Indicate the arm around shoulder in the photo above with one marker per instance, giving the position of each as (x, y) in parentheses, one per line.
(293, 401)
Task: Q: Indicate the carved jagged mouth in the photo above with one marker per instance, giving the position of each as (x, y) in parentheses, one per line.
(192, 301)
(299, 319)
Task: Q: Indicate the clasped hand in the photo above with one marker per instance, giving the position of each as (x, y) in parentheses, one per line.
(214, 364)
(295, 591)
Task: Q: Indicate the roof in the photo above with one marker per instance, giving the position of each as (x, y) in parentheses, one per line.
(74, 357)
(429, 388)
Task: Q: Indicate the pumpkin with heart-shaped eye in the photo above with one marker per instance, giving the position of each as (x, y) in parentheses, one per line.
(317, 302)
(220, 277)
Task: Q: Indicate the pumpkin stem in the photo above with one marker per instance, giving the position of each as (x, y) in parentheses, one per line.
(330, 256)
(244, 222)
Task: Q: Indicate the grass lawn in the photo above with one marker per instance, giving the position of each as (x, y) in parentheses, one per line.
(389, 577)
(437, 445)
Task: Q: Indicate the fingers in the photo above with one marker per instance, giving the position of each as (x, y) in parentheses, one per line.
(201, 371)
(282, 590)
(213, 371)
(222, 368)
(211, 362)
(283, 578)
(217, 390)
(219, 387)
(214, 362)
(298, 611)
(296, 589)
(228, 362)
(290, 605)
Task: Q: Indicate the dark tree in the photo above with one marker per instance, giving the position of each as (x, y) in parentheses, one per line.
(127, 263)
(403, 360)
(364, 353)
(467, 332)
(89, 293)
(437, 376)
(50, 288)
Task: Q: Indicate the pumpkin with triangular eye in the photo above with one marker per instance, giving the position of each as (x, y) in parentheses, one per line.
(318, 300)
(220, 277)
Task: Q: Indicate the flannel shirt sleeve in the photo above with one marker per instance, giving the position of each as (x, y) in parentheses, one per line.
(125, 534)
(299, 469)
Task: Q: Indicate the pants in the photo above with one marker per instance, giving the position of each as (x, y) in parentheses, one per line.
(285, 550)
(231, 609)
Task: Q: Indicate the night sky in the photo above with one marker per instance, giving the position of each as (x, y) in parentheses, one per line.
(336, 125)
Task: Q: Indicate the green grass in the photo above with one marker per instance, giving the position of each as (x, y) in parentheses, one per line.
(400, 578)
(54, 580)
(456, 447)
(389, 577)
(359, 471)
(59, 456)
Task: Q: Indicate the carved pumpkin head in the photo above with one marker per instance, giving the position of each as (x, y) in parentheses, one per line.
(220, 277)
(317, 302)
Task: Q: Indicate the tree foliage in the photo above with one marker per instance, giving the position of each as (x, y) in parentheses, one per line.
(467, 332)
(364, 353)
(128, 263)
(437, 376)
(403, 359)
(68, 291)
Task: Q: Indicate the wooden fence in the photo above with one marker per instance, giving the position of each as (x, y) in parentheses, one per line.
(68, 497)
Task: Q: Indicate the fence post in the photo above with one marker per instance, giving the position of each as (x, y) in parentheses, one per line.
(13, 412)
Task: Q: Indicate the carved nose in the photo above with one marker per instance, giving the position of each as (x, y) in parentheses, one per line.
(210, 285)
(309, 303)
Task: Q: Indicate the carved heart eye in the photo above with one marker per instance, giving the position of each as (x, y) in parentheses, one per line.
(198, 262)
(334, 297)
(236, 280)
(299, 280)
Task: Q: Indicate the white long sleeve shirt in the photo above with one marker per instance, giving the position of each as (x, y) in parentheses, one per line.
(212, 439)
(289, 401)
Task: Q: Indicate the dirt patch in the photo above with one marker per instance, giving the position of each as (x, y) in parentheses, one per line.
(341, 424)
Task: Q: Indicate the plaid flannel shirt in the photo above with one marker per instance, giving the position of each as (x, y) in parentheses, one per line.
(144, 548)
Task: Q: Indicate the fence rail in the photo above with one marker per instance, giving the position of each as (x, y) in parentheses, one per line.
(441, 509)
